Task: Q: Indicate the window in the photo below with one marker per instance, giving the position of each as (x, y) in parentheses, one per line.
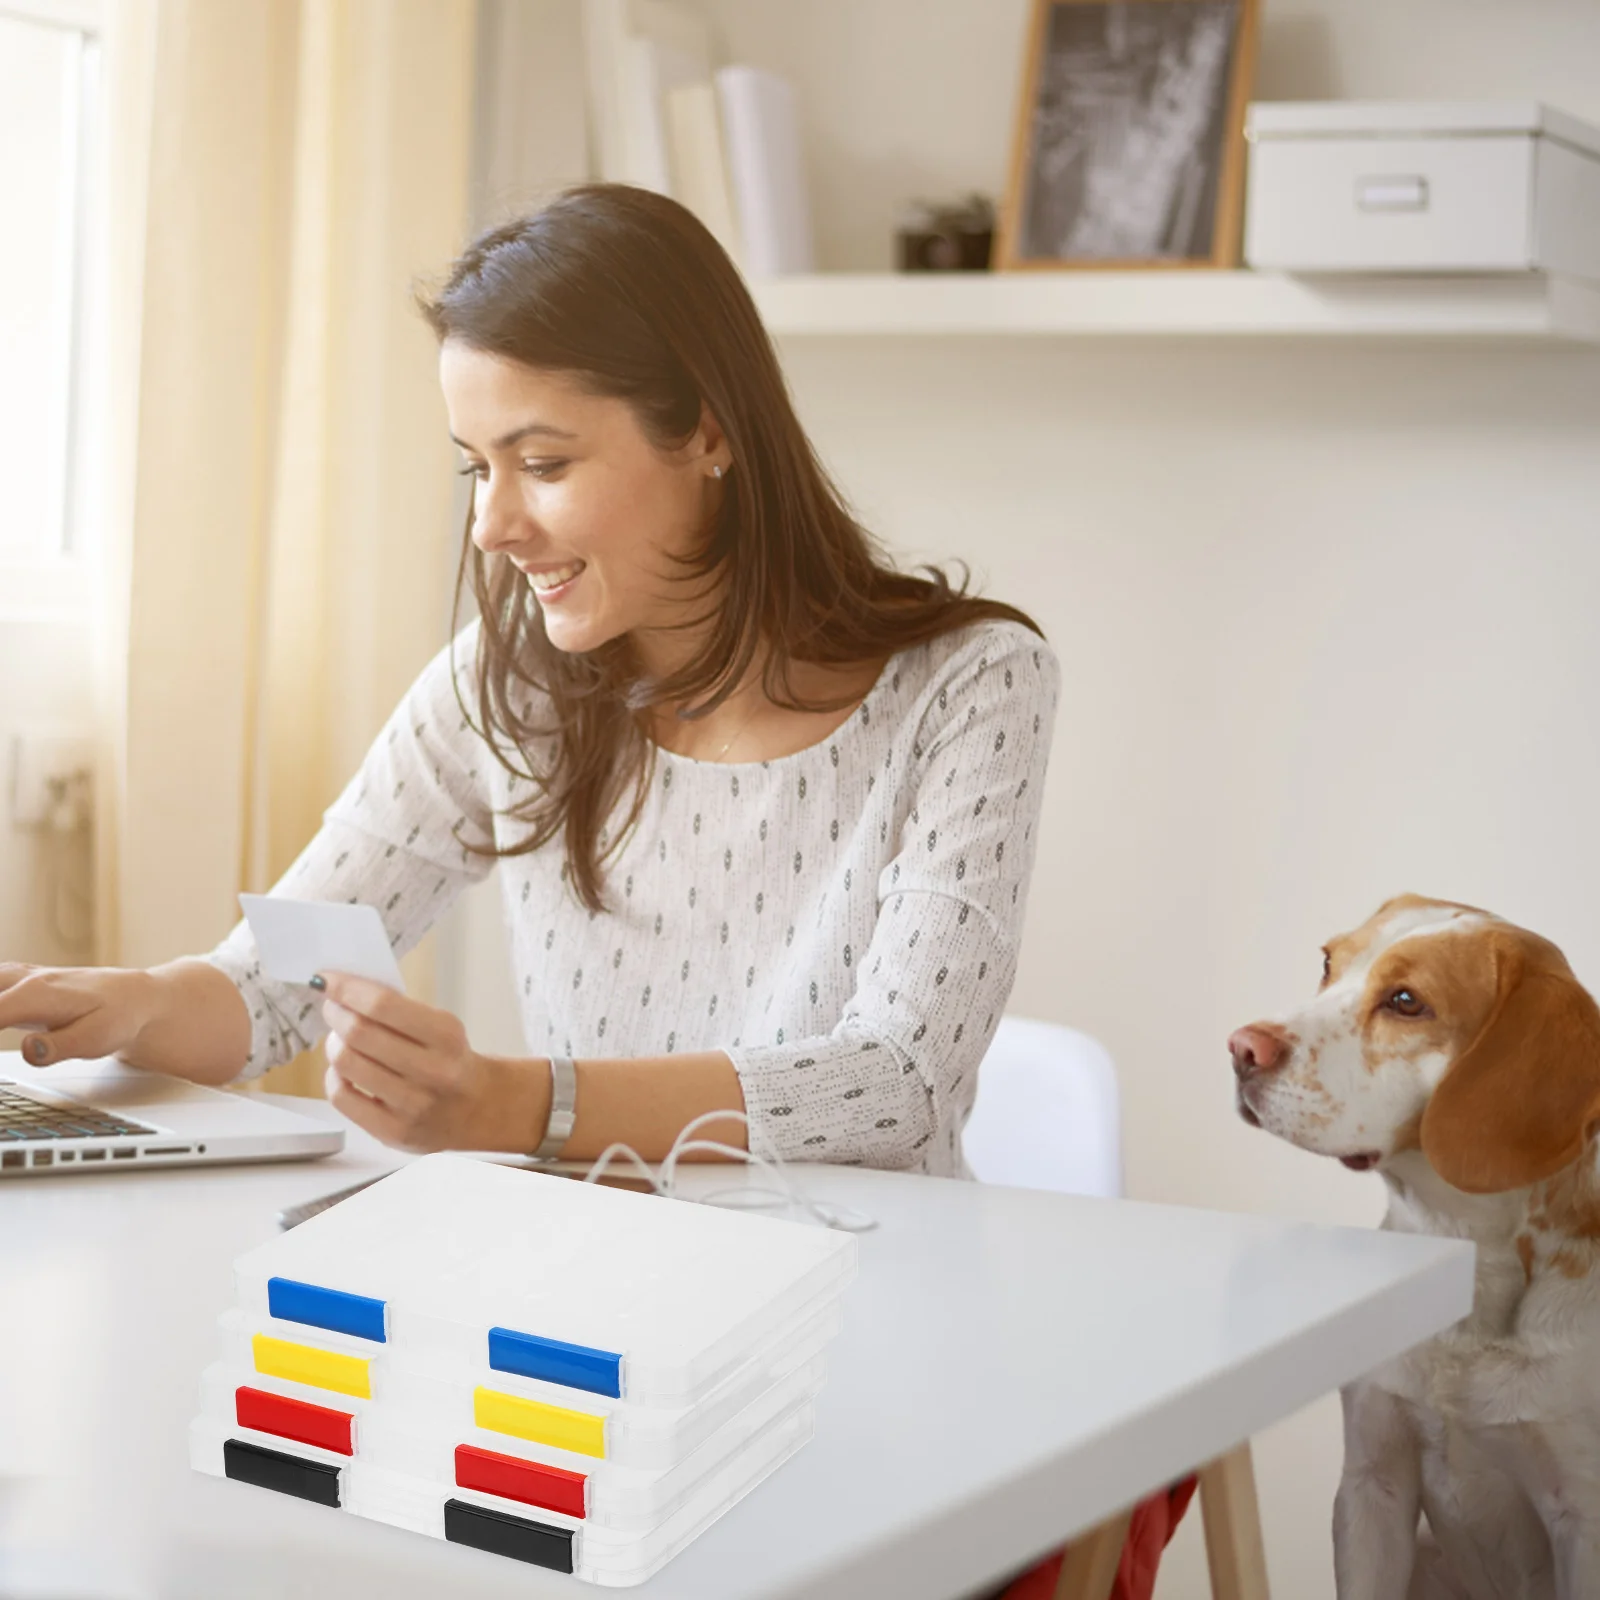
(49, 67)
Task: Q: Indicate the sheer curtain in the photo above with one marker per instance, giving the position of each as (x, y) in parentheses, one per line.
(278, 490)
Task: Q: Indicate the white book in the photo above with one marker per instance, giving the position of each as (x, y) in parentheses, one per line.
(655, 71)
(532, 145)
(605, 37)
(762, 132)
(699, 161)
(637, 51)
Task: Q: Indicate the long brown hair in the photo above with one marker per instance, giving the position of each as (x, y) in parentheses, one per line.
(627, 293)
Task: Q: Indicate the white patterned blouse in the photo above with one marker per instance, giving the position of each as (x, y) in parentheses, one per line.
(843, 922)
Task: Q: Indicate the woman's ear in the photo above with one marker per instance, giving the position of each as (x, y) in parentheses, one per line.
(709, 444)
(1516, 1106)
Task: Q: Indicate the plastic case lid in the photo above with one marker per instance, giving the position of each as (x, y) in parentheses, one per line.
(637, 1436)
(1417, 119)
(625, 1498)
(650, 1299)
(390, 1371)
(602, 1556)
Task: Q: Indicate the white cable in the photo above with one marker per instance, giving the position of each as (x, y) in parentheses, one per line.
(67, 819)
(788, 1196)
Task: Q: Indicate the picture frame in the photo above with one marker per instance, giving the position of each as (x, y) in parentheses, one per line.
(1128, 148)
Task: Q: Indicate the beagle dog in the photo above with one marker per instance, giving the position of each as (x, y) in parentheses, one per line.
(1458, 1056)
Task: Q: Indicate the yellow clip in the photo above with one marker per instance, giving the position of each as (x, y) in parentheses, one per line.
(581, 1431)
(303, 1363)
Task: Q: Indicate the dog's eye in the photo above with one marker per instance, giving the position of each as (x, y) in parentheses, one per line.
(1327, 966)
(1405, 1003)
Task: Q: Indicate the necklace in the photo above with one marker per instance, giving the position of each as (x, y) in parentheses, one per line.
(749, 718)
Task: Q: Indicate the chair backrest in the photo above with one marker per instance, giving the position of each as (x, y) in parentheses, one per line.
(1048, 1113)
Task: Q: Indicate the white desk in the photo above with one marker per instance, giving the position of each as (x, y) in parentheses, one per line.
(1014, 1368)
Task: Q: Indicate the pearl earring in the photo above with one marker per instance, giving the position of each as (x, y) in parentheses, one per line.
(716, 472)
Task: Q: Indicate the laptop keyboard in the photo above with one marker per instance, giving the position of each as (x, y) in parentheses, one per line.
(24, 1117)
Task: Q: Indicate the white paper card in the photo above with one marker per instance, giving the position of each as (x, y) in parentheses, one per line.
(300, 938)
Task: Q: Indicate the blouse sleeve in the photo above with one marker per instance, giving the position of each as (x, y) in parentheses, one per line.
(393, 839)
(900, 1069)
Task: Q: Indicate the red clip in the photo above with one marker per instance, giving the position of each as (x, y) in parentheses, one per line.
(530, 1482)
(295, 1419)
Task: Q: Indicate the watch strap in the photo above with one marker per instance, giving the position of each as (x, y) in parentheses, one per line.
(563, 1108)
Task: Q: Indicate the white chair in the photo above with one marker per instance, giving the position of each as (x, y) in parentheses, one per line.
(1048, 1114)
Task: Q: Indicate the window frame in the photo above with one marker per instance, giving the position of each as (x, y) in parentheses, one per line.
(59, 583)
(84, 16)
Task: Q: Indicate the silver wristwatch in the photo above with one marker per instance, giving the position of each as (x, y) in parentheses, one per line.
(563, 1103)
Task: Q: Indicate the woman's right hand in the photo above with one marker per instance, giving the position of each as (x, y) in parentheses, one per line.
(74, 1012)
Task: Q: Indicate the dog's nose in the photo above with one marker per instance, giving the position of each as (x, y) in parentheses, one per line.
(1257, 1048)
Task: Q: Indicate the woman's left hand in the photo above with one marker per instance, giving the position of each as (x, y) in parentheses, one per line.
(406, 1073)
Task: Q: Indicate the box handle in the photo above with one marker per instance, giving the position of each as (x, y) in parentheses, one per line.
(1392, 194)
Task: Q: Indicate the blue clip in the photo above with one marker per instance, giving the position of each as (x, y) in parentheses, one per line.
(553, 1361)
(327, 1308)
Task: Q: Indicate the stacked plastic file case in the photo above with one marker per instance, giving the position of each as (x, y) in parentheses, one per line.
(580, 1377)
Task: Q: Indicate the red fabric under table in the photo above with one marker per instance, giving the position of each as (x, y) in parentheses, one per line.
(1154, 1522)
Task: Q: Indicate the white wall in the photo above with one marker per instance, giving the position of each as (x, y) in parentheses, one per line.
(1325, 611)
(1324, 618)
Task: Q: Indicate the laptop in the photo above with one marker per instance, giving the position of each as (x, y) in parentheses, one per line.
(101, 1116)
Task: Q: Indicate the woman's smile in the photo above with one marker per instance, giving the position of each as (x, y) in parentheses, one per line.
(550, 584)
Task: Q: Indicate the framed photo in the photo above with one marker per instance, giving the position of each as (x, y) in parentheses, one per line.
(1129, 146)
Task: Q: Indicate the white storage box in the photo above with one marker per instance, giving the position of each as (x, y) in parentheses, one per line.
(593, 1550)
(1412, 187)
(649, 1437)
(576, 1377)
(655, 1302)
(626, 1498)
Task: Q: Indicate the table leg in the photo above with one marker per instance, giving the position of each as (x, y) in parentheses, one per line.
(1089, 1563)
(1232, 1516)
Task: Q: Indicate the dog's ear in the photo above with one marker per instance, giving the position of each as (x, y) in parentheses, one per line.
(1519, 1103)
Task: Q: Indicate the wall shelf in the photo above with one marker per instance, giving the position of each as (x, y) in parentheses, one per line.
(1524, 305)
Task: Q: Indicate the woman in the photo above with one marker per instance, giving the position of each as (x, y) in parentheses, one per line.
(764, 808)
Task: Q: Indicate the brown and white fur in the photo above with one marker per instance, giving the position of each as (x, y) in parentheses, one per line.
(1459, 1056)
